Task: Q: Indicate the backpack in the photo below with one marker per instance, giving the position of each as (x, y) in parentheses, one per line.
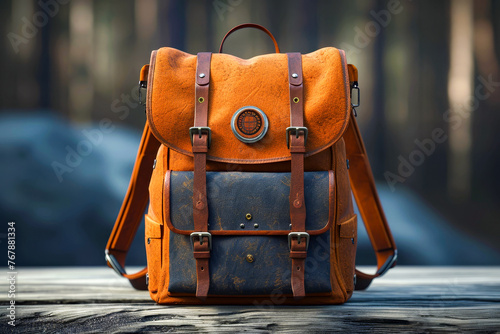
(250, 165)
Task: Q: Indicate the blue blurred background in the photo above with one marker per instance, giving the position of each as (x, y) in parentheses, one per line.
(430, 89)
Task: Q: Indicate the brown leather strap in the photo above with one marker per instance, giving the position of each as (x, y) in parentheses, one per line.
(365, 193)
(298, 243)
(132, 211)
(201, 244)
(250, 25)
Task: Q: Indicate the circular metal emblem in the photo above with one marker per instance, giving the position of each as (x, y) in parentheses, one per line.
(249, 124)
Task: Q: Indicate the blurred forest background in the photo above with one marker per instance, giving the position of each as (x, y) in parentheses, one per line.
(427, 69)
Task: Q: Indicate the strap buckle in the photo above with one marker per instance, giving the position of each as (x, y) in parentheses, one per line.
(142, 85)
(358, 97)
(200, 130)
(356, 88)
(388, 264)
(296, 130)
(113, 262)
(299, 236)
(200, 236)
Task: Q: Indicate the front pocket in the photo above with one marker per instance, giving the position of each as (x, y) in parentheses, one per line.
(153, 234)
(251, 265)
(249, 219)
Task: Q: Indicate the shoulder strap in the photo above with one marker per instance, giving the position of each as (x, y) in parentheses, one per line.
(365, 193)
(132, 211)
(134, 204)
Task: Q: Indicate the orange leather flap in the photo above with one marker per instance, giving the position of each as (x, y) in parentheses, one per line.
(152, 228)
(348, 228)
(260, 82)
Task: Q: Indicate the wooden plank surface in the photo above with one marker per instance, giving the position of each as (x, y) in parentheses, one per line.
(408, 299)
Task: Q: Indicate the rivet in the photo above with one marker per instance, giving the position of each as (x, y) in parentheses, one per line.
(242, 225)
(149, 241)
(250, 258)
(256, 225)
(248, 216)
(295, 75)
(202, 75)
(201, 99)
(296, 99)
(290, 226)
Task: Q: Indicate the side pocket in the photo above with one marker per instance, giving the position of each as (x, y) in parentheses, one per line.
(153, 252)
(347, 249)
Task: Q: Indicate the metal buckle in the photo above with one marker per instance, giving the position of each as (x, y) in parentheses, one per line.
(388, 264)
(295, 130)
(299, 236)
(200, 130)
(200, 236)
(117, 267)
(356, 87)
(355, 105)
(142, 85)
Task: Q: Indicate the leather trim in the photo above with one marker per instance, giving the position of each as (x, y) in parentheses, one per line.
(171, 227)
(173, 144)
(144, 73)
(149, 94)
(347, 88)
(331, 196)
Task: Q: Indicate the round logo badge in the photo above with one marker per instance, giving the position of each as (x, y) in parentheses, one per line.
(249, 124)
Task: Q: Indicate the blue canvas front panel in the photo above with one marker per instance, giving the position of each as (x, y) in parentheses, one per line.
(265, 196)
(231, 195)
(231, 274)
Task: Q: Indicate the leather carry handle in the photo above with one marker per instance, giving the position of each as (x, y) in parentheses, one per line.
(250, 25)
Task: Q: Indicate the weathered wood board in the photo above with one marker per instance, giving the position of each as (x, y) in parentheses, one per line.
(407, 299)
